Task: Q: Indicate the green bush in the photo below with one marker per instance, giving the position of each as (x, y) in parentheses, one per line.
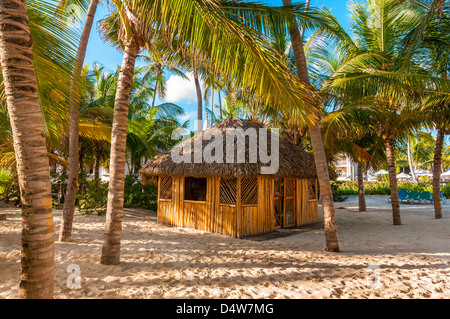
(446, 190)
(5, 177)
(381, 187)
(94, 196)
(138, 195)
(338, 195)
(9, 187)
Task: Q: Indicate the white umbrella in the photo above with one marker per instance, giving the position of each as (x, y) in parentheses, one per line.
(421, 171)
(403, 176)
(446, 174)
(382, 172)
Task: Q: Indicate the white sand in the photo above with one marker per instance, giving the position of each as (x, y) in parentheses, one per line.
(168, 262)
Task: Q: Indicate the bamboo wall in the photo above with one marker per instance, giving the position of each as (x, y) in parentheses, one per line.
(306, 209)
(213, 216)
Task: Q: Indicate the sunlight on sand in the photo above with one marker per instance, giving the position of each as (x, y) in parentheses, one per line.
(168, 262)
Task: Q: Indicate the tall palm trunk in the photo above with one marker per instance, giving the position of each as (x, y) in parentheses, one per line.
(38, 235)
(411, 166)
(390, 155)
(317, 144)
(65, 232)
(81, 175)
(199, 103)
(98, 158)
(437, 173)
(114, 211)
(362, 195)
(220, 106)
(212, 104)
(154, 95)
(158, 74)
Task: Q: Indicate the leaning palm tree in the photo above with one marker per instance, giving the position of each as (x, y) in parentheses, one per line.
(353, 135)
(31, 154)
(436, 57)
(381, 73)
(218, 33)
(65, 231)
(316, 139)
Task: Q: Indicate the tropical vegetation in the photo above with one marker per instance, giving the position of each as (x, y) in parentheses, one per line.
(64, 122)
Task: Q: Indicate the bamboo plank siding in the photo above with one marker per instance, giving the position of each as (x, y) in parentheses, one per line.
(234, 198)
(239, 206)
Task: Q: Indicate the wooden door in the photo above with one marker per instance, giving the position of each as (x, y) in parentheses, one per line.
(289, 202)
(278, 202)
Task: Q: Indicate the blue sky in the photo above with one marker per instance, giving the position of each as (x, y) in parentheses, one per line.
(179, 91)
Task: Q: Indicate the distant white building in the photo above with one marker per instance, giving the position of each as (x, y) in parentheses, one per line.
(346, 169)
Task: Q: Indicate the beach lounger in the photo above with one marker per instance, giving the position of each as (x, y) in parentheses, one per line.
(424, 196)
(402, 194)
(412, 196)
(443, 198)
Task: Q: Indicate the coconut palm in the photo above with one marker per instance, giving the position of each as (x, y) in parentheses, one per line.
(24, 111)
(436, 58)
(155, 67)
(381, 73)
(316, 140)
(218, 33)
(65, 231)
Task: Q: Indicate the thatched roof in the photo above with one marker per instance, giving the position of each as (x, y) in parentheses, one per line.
(293, 162)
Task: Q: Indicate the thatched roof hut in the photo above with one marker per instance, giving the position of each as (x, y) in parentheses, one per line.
(293, 162)
(259, 183)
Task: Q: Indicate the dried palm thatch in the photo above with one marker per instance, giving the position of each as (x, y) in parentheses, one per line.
(293, 162)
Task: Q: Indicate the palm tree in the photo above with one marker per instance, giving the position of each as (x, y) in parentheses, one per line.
(354, 137)
(155, 71)
(437, 59)
(31, 153)
(410, 163)
(65, 231)
(198, 90)
(380, 73)
(217, 34)
(316, 141)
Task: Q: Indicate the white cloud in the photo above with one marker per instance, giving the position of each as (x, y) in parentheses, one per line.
(180, 90)
(191, 116)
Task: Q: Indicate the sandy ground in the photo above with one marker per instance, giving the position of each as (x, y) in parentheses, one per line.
(378, 260)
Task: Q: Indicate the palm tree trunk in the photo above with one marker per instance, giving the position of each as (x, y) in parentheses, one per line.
(98, 157)
(220, 106)
(65, 231)
(212, 104)
(81, 178)
(437, 173)
(199, 103)
(390, 154)
(411, 166)
(114, 211)
(362, 195)
(317, 145)
(38, 235)
(154, 94)
(158, 74)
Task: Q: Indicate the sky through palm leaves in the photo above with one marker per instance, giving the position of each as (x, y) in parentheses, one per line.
(180, 91)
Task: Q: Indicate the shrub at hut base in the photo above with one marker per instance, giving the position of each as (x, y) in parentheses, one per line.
(138, 195)
(94, 197)
(342, 188)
